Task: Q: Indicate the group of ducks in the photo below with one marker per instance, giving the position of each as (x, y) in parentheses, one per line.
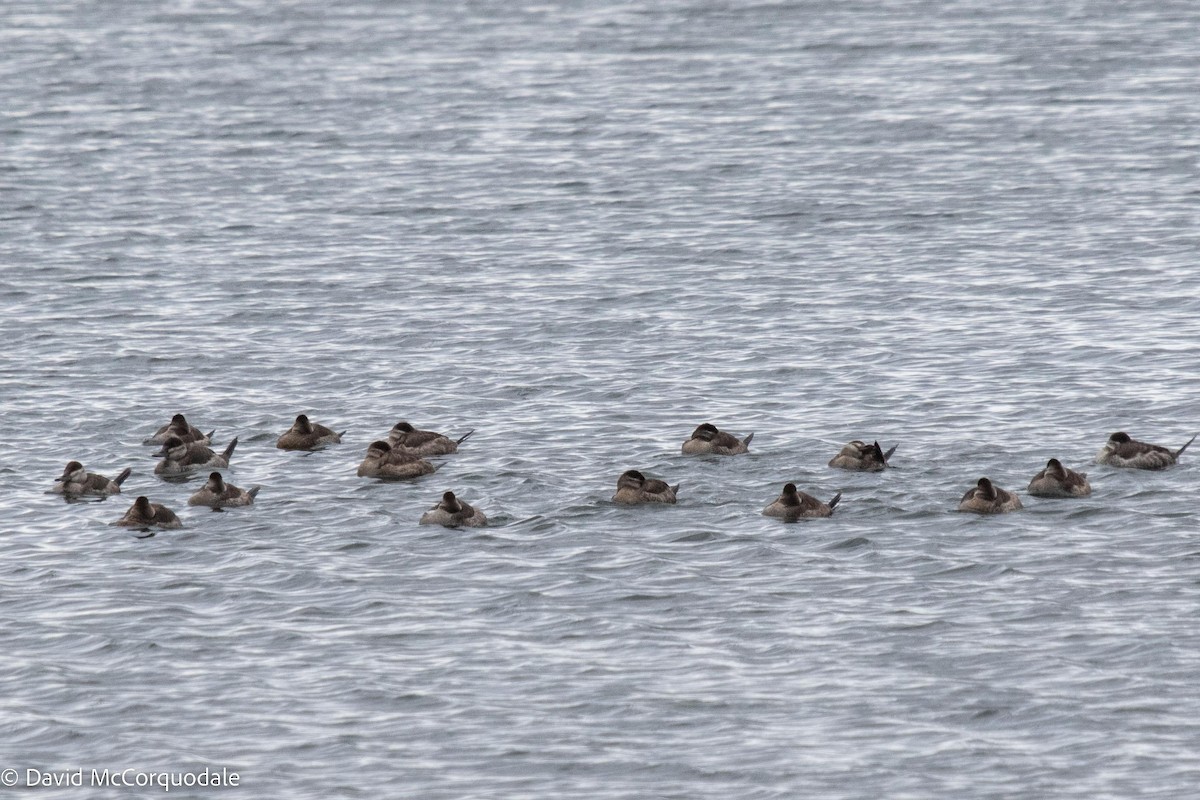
(185, 450)
(1055, 481)
(1058, 481)
(403, 454)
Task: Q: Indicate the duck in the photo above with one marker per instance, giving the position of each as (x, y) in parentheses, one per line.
(218, 494)
(184, 458)
(306, 435)
(384, 461)
(862, 457)
(424, 443)
(77, 482)
(454, 513)
(1058, 481)
(144, 514)
(707, 439)
(987, 498)
(1122, 451)
(633, 487)
(793, 505)
(181, 429)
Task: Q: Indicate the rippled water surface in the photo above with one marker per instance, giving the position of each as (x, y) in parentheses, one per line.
(967, 228)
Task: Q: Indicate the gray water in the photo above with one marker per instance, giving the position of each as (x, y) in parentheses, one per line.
(968, 228)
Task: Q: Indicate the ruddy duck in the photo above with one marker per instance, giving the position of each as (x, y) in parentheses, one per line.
(1121, 451)
(424, 443)
(219, 494)
(184, 458)
(707, 439)
(385, 461)
(1058, 481)
(144, 514)
(793, 505)
(634, 487)
(77, 482)
(454, 513)
(987, 498)
(862, 457)
(305, 435)
(179, 428)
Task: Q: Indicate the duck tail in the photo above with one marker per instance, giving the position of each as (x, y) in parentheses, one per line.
(833, 502)
(211, 434)
(747, 440)
(463, 438)
(675, 488)
(125, 473)
(888, 454)
(1179, 452)
(229, 450)
(253, 491)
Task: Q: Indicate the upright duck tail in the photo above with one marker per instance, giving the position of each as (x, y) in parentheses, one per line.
(833, 502)
(1179, 452)
(463, 438)
(229, 450)
(125, 473)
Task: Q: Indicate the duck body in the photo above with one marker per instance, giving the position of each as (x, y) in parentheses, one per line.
(144, 514)
(987, 498)
(454, 513)
(78, 482)
(184, 458)
(216, 493)
(633, 488)
(1122, 451)
(424, 443)
(862, 457)
(307, 435)
(707, 439)
(384, 461)
(1058, 481)
(793, 504)
(181, 429)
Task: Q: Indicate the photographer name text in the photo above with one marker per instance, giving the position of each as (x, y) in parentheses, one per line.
(120, 778)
